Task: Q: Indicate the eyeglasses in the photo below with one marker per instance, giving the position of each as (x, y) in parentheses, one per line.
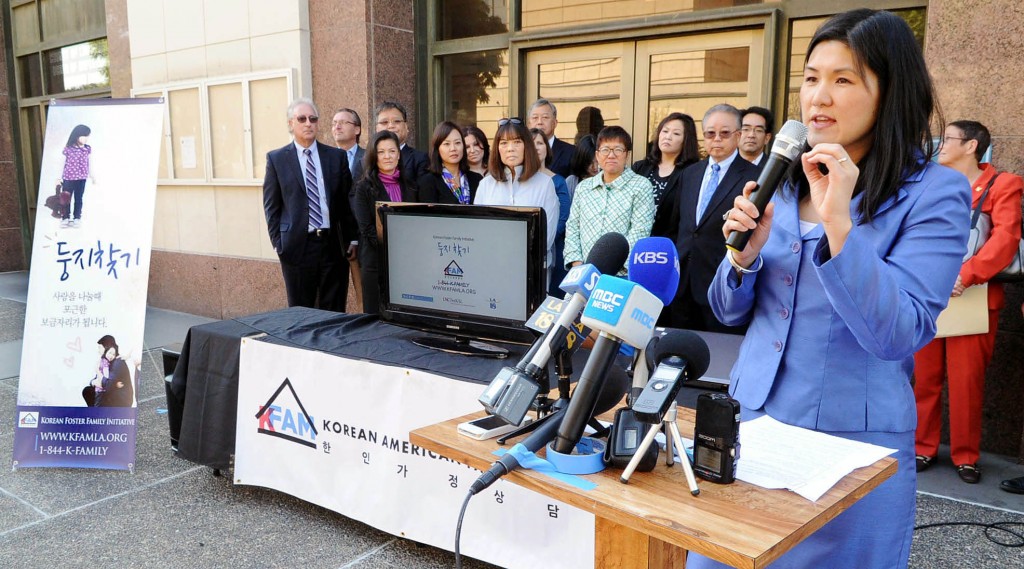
(724, 134)
(513, 120)
(336, 123)
(753, 129)
(604, 151)
(303, 118)
(387, 123)
(946, 139)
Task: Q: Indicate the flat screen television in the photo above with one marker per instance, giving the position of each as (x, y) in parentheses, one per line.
(465, 272)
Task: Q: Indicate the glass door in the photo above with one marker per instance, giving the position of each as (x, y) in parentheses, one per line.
(636, 83)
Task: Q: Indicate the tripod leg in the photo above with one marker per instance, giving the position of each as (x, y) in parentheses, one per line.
(640, 452)
(683, 458)
(522, 430)
(669, 455)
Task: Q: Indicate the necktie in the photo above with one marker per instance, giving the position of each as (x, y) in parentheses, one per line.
(709, 191)
(316, 217)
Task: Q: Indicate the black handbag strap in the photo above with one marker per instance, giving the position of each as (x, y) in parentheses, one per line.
(977, 210)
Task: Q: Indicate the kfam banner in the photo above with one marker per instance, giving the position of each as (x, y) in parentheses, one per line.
(335, 432)
(86, 309)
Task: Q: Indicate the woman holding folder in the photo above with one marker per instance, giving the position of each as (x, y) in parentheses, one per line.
(846, 271)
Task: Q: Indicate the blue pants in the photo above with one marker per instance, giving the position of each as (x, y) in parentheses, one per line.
(76, 188)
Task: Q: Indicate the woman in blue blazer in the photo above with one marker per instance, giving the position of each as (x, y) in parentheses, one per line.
(844, 276)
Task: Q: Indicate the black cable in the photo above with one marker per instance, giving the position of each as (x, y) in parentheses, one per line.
(989, 528)
(458, 531)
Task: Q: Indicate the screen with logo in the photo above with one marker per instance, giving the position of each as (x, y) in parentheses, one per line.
(470, 265)
(474, 272)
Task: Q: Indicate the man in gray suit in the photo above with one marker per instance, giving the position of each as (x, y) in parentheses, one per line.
(305, 197)
(346, 127)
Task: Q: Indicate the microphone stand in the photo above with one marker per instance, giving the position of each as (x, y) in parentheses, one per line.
(545, 406)
(672, 439)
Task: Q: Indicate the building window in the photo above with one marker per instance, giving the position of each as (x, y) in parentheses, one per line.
(476, 88)
(220, 130)
(548, 13)
(77, 67)
(459, 19)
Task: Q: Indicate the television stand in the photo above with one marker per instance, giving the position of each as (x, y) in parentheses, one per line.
(461, 345)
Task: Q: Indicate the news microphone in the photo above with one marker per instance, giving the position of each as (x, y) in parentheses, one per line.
(622, 311)
(789, 142)
(654, 265)
(614, 388)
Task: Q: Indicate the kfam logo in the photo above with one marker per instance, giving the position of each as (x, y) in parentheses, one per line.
(453, 270)
(28, 419)
(284, 416)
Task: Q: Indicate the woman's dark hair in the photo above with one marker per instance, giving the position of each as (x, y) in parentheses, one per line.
(108, 341)
(370, 169)
(513, 129)
(78, 132)
(441, 132)
(475, 132)
(547, 155)
(974, 130)
(588, 121)
(689, 154)
(882, 42)
(583, 157)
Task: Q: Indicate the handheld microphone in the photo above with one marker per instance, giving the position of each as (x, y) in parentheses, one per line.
(788, 144)
(614, 388)
(622, 311)
(654, 265)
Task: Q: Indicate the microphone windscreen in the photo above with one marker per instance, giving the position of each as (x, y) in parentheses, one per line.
(654, 265)
(790, 140)
(616, 384)
(683, 344)
(609, 253)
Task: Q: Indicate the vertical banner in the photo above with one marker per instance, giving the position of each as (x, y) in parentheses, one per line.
(86, 311)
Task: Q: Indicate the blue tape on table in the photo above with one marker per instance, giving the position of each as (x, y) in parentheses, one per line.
(531, 461)
(588, 458)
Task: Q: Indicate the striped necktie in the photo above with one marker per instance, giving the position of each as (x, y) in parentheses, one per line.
(316, 216)
(709, 191)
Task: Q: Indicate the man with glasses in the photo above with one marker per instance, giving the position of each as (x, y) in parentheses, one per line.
(305, 198)
(615, 200)
(346, 128)
(544, 115)
(708, 189)
(392, 116)
(755, 134)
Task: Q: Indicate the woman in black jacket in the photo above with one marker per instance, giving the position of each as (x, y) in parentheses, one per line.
(382, 181)
(448, 179)
(674, 149)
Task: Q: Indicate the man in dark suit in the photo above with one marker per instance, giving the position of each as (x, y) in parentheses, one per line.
(392, 116)
(544, 115)
(708, 189)
(309, 218)
(346, 128)
(755, 134)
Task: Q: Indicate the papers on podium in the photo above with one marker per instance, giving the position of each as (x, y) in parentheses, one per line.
(776, 455)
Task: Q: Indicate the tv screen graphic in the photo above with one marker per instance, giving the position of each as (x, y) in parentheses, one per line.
(469, 266)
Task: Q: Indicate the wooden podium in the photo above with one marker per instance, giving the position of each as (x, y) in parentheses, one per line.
(653, 520)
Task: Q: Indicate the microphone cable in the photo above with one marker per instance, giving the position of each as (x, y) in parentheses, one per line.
(458, 530)
(990, 530)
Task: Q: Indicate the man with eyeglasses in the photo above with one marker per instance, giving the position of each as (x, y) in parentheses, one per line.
(392, 116)
(755, 134)
(708, 189)
(615, 200)
(305, 198)
(346, 128)
(544, 115)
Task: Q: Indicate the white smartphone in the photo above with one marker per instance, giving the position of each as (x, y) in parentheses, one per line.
(489, 427)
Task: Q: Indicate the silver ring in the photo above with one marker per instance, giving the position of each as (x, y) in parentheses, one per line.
(843, 159)
(725, 216)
